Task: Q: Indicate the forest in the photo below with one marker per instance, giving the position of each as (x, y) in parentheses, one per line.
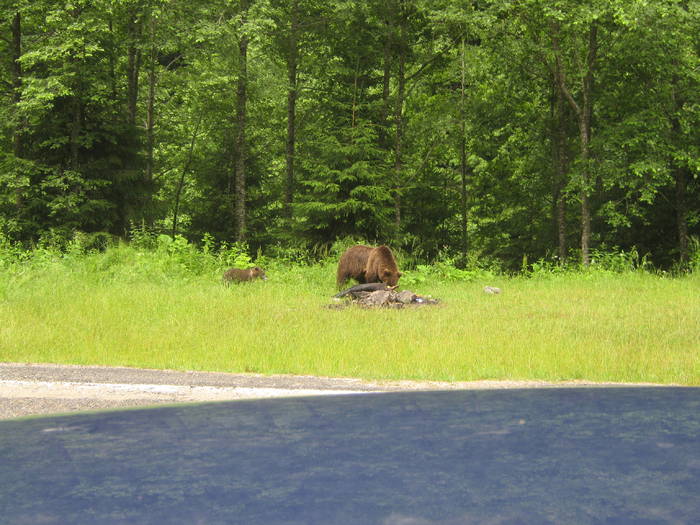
(504, 130)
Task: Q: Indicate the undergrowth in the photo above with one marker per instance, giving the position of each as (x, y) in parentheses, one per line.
(159, 302)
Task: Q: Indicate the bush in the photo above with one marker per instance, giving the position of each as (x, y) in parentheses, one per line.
(694, 255)
(235, 255)
(619, 261)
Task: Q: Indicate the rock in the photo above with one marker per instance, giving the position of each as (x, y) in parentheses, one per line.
(492, 289)
(406, 297)
(378, 298)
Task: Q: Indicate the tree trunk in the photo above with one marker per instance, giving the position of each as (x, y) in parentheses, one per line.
(398, 161)
(18, 122)
(682, 213)
(292, 64)
(463, 168)
(386, 81)
(132, 69)
(112, 57)
(584, 113)
(680, 175)
(145, 199)
(561, 158)
(240, 140)
(150, 106)
(398, 117)
(17, 147)
(585, 125)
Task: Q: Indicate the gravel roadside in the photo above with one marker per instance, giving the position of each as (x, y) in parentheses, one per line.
(35, 389)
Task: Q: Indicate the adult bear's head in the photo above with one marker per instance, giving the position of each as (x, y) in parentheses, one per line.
(389, 276)
(381, 263)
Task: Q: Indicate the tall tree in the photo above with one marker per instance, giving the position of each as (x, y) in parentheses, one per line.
(584, 111)
(684, 80)
(462, 146)
(292, 95)
(401, 51)
(240, 144)
(13, 178)
(560, 157)
(16, 75)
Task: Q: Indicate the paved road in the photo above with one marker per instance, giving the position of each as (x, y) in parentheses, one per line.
(32, 389)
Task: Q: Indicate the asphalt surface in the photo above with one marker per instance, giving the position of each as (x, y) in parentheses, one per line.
(536, 455)
(42, 389)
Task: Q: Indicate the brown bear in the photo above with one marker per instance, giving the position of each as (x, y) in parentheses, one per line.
(237, 275)
(366, 264)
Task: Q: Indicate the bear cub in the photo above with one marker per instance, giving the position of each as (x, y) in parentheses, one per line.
(236, 275)
(366, 264)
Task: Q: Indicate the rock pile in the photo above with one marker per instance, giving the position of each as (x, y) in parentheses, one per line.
(381, 296)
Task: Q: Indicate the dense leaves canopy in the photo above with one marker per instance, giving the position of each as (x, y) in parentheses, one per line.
(478, 128)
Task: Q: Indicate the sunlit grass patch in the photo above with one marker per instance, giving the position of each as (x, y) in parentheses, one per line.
(606, 327)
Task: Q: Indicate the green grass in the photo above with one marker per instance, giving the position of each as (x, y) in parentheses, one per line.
(632, 327)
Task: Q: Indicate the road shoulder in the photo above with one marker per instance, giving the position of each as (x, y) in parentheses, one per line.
(33, 389)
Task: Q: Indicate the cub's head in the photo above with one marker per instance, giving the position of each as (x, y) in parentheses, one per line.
(256, 272)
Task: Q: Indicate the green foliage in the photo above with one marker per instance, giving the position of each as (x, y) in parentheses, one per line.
(619, 261)
(603, 262)
(694, 260)
(142, 237)
(432, 127)
(235, 255)
(443, 272)
(10, 252)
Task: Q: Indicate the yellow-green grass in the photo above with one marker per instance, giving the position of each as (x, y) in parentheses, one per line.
(619, 328)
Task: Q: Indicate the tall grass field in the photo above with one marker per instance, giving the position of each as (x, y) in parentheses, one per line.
(166, 308)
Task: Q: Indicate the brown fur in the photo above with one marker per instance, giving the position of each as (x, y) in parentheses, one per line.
(237, 275)
(352, 264)
(368, 265)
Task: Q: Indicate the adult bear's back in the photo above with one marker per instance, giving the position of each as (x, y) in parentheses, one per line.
(366, 264)
(352, 264)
